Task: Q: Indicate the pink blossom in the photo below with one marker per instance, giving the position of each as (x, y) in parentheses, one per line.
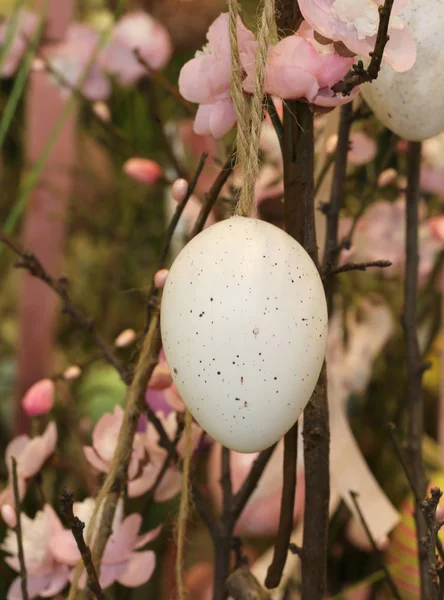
(120, 560)
(23, 31)
(355, 24)
(30, 454)
(362, 147)
(72, 60)
(39, 399)
(137, 31)
(104, 441)
(143, 170)
(47, 576)
(147, 458)
(261, 514)
(299, 67)
(171, 482)
(380, 234)
(206, 79)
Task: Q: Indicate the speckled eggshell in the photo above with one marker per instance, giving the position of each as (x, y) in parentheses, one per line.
(411, 104)
(244, 325)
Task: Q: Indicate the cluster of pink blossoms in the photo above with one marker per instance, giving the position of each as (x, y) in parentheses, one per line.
(83, 60)
(50, 550)
(305, 65)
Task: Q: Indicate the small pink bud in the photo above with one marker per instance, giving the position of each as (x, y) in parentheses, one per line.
(160, 278)
(143, 170)
(439, 513)
(102, 111)
(72, 372)
(179, 190)
(9, 515)
(39, 399)
(387, 177)
(125, 338)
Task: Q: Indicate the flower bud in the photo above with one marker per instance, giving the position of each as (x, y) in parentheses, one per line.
(179, 190)
(72, 372)
(143, 170)
(125, 338)
(160, 278)
(39, 399)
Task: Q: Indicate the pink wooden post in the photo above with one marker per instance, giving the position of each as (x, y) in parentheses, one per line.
(45, 220)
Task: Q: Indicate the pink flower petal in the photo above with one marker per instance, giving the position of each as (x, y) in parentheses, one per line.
(121, 543)
(36, 585)
(161, 377)
(222, 118)
(139, 569)
(137, 487)
(148, 537)
(94, 459)
(400, 51)
(169, 486)
(194, 80)
(64, 548)
(110, 573)
(56, 581)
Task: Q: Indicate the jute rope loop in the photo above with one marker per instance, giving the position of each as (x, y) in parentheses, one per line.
(249, 114)
(249, 111)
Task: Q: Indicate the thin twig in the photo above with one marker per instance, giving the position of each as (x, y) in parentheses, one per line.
(368, 197)
(281, 546)
(168, 238)
(359, 74)
(413, 357)
(322, 175)
(212, 195)
(250, 483)
(358, 267)
(390, 581)
(428, 507)
(151, 94)
(31, 263)
(299, 201)
(391, 428)
(18, 531)
(332, 209)
(77, 527)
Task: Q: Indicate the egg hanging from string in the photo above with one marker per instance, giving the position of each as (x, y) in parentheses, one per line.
(411, 103)
(244, 325)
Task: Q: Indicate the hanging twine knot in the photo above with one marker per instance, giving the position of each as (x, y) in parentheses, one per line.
(249, 109)
(249, 114)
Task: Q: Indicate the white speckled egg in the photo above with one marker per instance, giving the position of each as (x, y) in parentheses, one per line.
(411, 103)
(244, 325)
